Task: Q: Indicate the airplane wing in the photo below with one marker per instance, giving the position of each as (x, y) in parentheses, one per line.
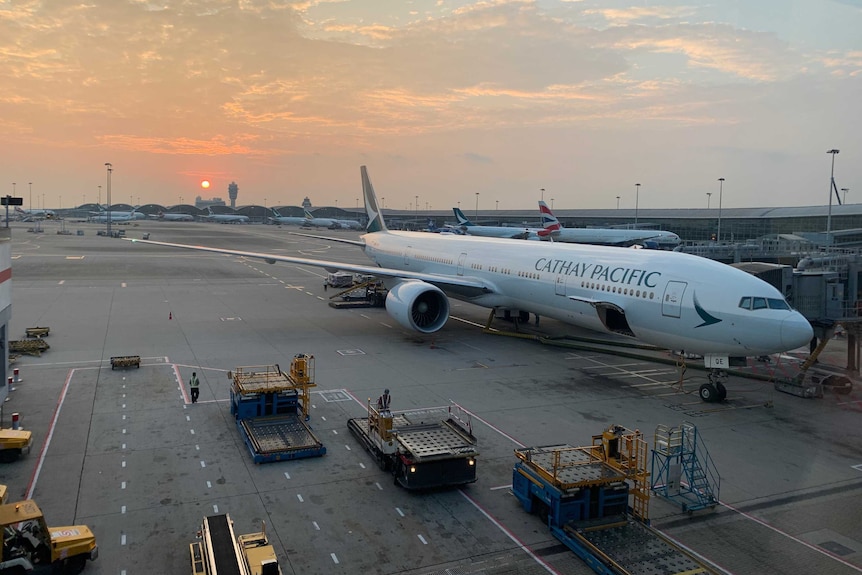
(329, 239)
(464, 285)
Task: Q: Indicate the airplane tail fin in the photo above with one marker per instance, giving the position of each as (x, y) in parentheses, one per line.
(375, 216)
(19, 210)
(550, 223)
(306, 214)
(275, 212)
(462, 219)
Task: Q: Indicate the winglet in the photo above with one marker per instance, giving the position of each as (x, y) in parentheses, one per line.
(375, 217)
(462, 219)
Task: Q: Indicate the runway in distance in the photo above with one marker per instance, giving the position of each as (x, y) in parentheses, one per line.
(669, 299)
(622, 237)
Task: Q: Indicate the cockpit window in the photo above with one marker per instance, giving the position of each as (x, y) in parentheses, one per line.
(759, 303)
(775, 303)
(745, 303)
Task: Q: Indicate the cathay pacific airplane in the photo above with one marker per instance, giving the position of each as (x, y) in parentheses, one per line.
(513, 232)
(225, 218)
(277, 218)
(604, 236)
(102, 216)
(668, 299)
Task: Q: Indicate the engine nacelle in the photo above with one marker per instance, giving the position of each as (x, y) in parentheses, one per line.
(418, 306)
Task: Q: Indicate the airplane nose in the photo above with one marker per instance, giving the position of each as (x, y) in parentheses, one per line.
(796, 331)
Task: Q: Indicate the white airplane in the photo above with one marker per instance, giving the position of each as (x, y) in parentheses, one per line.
(287, 220)
(330, 223)
(668, 299)
(175, 217)
(226, 218)
(34, 214)
(102, 216)
(604, 236)
(512, 232)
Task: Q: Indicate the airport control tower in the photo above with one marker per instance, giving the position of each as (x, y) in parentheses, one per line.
(232, 192)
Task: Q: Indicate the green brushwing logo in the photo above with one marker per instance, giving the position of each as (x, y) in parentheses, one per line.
(704, 315)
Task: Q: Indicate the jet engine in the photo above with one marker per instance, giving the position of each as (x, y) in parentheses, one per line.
(418, 306)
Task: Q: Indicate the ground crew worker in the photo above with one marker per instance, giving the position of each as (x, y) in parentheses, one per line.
(383, 401)
(194, 384)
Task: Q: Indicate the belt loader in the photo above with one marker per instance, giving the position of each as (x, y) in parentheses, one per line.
(423, 448)
(28, 542)
(582, 494)
(220, 552)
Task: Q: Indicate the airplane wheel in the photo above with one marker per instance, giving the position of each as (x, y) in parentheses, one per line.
(708, 393)
(722, 391)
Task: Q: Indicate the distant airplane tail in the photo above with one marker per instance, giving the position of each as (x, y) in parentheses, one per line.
(20, 211)
(275, 213)
(375, 216)
(306, 214)
(462, 219)
(550, 223)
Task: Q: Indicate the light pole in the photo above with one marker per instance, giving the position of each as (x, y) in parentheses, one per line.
(720, 190)
(498, 205)
(100, 195)
(477, 207)
(845, 190)
(708, 197)
(30, 185)
(833, 151)
(384, 202)
(618, 202)
(543, 193)
(637, 197)
(552, 203)
(416, 208)
(108, 216)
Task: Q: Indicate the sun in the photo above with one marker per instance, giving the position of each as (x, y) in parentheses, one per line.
(205, 184)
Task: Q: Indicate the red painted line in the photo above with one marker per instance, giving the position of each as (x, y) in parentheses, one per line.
(5, 275)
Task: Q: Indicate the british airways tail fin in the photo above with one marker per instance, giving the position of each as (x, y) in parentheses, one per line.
(550, 223)
(462, 219)
(375, 216)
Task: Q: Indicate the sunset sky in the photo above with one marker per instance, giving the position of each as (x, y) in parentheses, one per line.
(440, 99)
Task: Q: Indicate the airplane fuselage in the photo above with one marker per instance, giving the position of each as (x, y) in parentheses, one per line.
(669, 299)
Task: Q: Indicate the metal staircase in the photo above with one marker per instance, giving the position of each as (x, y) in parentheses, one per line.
(682, 470)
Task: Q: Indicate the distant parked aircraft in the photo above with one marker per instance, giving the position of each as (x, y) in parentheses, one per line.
(330, 223)
(287, 220)
(31, 214)
(175, 217)
(226, 218)
(621, 237)
(102, 216)
(513, 232)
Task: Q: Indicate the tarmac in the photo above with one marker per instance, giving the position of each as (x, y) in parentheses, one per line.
(126, 453)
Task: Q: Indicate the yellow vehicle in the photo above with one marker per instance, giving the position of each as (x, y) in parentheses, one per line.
(221, 552)
(29, 543)
(14, 442)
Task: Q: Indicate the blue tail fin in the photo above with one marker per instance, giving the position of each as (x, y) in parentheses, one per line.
(375, 216)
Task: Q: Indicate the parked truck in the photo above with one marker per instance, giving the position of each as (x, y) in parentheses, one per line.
(29, 543)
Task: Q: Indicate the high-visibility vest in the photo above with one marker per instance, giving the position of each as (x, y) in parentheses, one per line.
(194, 382)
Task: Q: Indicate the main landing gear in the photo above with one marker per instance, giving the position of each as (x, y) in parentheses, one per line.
(714, 391)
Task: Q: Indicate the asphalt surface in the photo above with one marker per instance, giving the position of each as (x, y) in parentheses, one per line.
(127, 454)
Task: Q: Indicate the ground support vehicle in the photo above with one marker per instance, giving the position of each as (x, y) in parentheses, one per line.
(38, 331)
(220, 552)
(582, 494)
(14, 442)
(29, 543)
(271, 410)
(423, 448)
(123, 361)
